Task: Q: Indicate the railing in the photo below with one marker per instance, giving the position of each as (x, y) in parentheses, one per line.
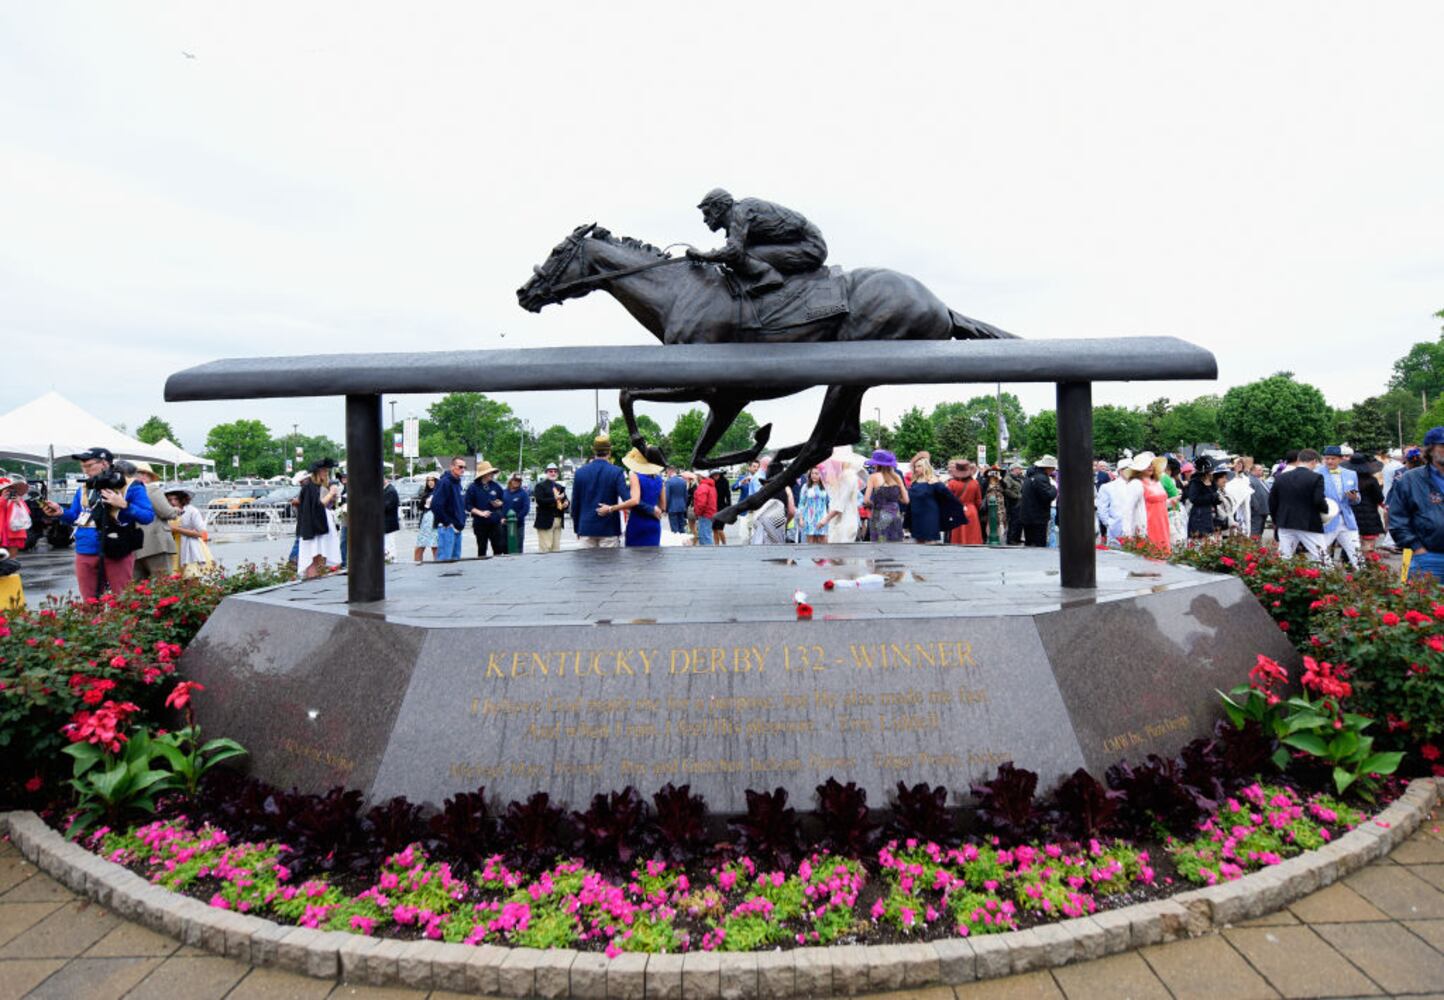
(247, 521)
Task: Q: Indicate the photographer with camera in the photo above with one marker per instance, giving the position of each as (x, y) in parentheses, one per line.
(108, 512)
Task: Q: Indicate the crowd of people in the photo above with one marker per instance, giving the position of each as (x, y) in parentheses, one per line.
(1331, 503)
(126, 525)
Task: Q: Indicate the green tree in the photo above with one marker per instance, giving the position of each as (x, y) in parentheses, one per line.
(874, 435)
(1116, 429)
(1267, 417)
(556, 443)
(738, 436)
(1401, 409)
(1421, 369)
(956, 438)
(1365, 426)
(1189, 424)
(979, 415)
(1432, 417)
(1042, 434)
(622, 441)
(1155, 437)
(248, 439)
(154, 429)
(686, 429)
(914, 433)
(470, 423)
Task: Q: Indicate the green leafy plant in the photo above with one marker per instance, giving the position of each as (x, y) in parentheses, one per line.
(110, 786)
(1317, 726)
(189, 758)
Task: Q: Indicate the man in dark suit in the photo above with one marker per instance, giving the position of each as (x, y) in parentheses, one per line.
(1296, 503)
(1258, 510)
(597, 489)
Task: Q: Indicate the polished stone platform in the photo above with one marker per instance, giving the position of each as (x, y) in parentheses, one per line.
(585, 671)
(736, 583)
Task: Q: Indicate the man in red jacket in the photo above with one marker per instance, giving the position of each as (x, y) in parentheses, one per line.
(704, 502)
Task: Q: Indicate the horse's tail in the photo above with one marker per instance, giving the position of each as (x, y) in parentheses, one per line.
(972, 329)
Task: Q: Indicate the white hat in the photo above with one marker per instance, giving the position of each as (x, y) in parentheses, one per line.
(1047, 462)
(1332, 511)
(300, 477)
(1141, 463)
(1346, 450)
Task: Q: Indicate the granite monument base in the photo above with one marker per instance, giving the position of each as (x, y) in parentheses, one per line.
(583, 672)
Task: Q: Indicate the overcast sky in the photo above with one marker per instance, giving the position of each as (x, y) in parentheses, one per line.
(1263, 179)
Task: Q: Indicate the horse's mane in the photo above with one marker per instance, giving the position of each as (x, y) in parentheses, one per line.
(605, 235)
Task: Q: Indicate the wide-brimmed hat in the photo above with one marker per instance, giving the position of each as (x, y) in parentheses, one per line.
(1046, 462)
(638, 463)
(484, 468)
(552, 467)
(6, 483)
(322, 463)
(180, 493)
(300, 477)
(883, 459)
(143, 467)
(1333, 450)
(1141, 463)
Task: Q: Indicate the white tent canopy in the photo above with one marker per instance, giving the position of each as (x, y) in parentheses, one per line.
(174, 454)
(54, 426)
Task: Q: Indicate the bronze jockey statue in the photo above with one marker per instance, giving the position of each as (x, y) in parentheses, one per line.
(765, 241)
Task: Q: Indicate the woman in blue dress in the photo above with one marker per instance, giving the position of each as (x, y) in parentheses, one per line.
(933, 508)
(643, 505)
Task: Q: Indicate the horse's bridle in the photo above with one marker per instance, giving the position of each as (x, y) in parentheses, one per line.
(577, 252)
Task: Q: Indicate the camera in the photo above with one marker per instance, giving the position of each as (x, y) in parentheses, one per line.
(107, 480)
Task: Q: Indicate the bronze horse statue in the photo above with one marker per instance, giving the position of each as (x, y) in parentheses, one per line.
(699, 303)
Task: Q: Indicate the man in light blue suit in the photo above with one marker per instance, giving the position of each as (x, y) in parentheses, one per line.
(1341, 486)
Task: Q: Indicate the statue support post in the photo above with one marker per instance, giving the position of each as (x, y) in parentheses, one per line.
(1077, 523)
(365, 556)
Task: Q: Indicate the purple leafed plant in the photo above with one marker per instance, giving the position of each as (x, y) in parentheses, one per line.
(770, 829)
(681, 822)
(846, 826)
(614, 829)
(1005, 804)
(921, 813)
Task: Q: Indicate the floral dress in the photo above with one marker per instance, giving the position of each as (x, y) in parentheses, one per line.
(812, 507)
(887, 519)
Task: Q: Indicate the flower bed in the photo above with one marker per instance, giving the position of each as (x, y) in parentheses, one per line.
(1386, 634)
(83, 669)
(908, 890)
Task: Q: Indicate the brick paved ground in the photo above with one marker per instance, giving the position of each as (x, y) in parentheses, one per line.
(1380, 932)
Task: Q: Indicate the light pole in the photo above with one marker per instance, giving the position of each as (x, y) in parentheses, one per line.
(393, 413)
(521, 444)
(877, 438)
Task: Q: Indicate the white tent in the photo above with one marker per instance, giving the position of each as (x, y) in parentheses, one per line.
(174, 454)
(53, 427)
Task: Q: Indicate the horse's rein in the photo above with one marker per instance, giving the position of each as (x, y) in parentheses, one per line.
(595, 279)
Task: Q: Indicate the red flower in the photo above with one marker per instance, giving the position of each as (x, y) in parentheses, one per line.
(1416, 618)
(181, 696)
(1418, 669)
(1227, 561)
(35, 784)
(101, 727)
(1284, 626)
(1428, 751)
(804, 610)
(117, 661)
(1438, 610)
(1351, 612)
(1390, 618)
(166, 602)
(1436, 643)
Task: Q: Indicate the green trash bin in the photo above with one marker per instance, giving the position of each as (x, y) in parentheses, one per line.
(513, 540)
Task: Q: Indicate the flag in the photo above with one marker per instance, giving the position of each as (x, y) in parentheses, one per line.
(1002, 432)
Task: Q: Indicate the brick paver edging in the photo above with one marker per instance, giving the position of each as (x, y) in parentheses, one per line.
(845, 969)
